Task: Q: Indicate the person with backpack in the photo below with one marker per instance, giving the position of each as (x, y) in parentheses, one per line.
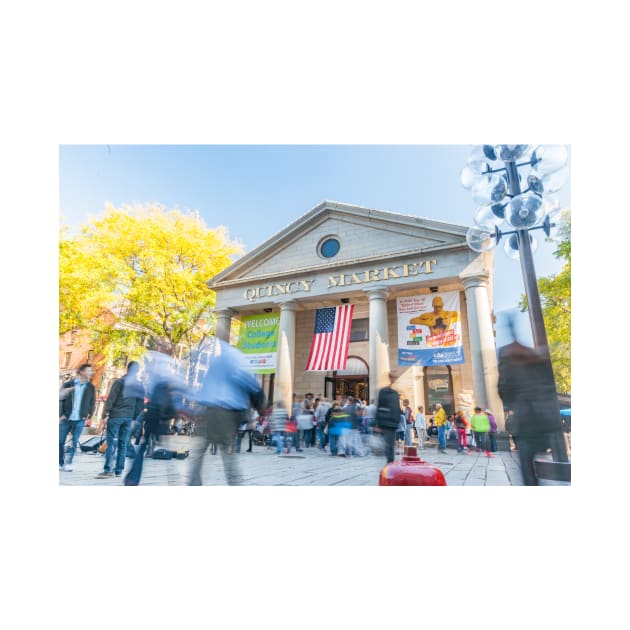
(388, 415)
(120, 411)
(158, 412)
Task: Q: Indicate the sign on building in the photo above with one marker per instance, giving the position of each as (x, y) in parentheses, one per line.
(258, 341)
(430, 329)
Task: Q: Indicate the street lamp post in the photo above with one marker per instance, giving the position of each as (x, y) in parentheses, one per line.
(492, 173)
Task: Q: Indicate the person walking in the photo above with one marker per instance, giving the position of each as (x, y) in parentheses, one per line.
(480, 426)
(320, 416)
(120, 411)
(460, 425)
(278, 420)
(527, 389)
(440, 423)
(247, 427)
(492, 434)
(421, 427)
(336, 424)
(157, 412)
(388, 414)
(227, 394)
(408, 413)
(77, 398)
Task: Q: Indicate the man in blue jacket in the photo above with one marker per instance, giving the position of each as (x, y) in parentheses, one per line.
(228, 392)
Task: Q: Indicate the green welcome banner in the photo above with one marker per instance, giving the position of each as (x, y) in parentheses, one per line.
(258, 341)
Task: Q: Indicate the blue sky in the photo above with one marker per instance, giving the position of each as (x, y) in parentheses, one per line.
(256, 190)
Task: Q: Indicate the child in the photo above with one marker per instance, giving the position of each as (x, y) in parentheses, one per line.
(461, 424)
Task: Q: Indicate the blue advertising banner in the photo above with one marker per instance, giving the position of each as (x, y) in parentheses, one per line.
(430, 329)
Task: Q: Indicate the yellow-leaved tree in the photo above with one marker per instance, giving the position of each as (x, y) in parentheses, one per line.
(138, 273)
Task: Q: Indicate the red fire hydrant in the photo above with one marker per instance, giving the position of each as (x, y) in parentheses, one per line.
(411, 471)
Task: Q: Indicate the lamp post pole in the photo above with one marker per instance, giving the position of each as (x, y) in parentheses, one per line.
(527, 268)
(539, 333)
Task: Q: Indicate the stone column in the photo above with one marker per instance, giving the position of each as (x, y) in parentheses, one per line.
(379, 340)
(286, 354)
(418, 387)
(482, 346)
(224, 323)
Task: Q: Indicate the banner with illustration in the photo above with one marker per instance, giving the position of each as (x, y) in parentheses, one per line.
(430, 329)
(258, 341)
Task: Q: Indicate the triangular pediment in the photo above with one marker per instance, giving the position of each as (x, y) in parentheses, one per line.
(363, 233)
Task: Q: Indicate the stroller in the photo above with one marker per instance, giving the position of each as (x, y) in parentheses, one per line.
(261, 435)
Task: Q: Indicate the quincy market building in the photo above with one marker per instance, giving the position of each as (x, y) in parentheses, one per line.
(380, 262)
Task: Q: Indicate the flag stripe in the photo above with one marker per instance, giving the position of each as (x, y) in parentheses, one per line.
(331, 339)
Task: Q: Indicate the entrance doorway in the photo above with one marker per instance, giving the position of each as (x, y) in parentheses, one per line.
(438, 388)
(353, 381)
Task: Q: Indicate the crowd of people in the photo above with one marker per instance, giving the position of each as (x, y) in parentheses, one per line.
(228, 410)
(139, 411)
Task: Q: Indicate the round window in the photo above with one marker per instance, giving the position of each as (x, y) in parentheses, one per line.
(329, 247)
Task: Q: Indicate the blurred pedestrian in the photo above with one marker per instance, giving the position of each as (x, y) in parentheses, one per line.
(388, 414)
(492, 434)
(305, 422)
(480, 425)
(120, 411)
(421, 426)
(461, 424)
(408, 413)
(278, 421)
(527, 388)
(335, 426)
(320, 416)
(159, 409)
(247, 428)
(440, 423)
(77, 398)
(228, 392)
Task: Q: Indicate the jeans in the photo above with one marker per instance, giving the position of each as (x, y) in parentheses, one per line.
(333, 443)
(239, 440)
(69, 426)
(480, 439)
(321, 436)
(278, 437)
(308, 437)
(493, 442)
(442, 436)
(117, 436)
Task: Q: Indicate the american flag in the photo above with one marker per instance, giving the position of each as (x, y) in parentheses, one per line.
(329, 350)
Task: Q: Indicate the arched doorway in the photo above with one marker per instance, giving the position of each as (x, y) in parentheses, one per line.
(353, 381)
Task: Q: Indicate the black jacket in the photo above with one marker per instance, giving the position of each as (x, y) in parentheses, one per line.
(118, 406)
(526, 387)
(88, 401)
(388, 409)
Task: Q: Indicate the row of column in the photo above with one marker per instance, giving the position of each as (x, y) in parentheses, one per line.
(482, 347)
